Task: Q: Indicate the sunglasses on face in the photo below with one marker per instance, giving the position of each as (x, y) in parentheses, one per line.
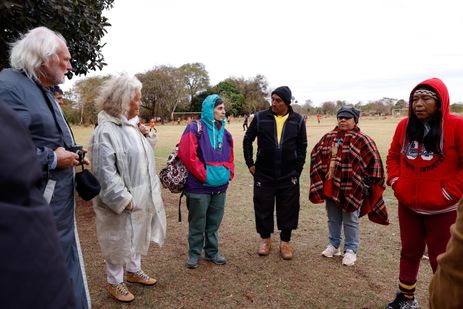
(345, 118)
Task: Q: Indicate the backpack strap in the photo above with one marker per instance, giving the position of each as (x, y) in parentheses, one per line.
(199, 126)
(179, 208)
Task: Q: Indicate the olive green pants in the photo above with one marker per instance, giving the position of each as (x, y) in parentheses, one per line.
(205, 213)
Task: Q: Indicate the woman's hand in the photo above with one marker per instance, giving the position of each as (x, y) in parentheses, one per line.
(143, 129)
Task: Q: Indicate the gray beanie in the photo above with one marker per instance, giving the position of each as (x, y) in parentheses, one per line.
(350, 112)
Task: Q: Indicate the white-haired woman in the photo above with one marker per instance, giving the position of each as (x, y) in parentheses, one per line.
(129, 209)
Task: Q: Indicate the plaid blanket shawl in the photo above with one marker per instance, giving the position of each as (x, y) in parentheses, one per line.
(358, 179)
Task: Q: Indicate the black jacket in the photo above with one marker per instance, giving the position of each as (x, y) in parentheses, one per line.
(275, 160)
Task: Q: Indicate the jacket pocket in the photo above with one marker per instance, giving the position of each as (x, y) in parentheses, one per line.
(431, 196)
(217, 175)
(405, 191)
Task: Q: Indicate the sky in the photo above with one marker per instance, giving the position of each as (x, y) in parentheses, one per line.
(355, 50)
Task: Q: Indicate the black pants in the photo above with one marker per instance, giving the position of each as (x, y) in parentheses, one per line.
(286, 195)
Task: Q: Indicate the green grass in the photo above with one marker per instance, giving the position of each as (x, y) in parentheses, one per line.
(250, 281)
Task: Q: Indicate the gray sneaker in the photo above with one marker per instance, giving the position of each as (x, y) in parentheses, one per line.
(216, 259)
(192, 262)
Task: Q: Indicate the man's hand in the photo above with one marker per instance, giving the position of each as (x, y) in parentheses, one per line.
(129, 206)
(252, 169)
(66, 159)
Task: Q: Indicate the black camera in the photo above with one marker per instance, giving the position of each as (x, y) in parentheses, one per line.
(78, 149)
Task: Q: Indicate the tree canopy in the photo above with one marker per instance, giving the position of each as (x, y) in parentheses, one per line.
(79, 21)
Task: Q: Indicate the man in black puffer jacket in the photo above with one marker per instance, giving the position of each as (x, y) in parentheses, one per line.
(281, 150)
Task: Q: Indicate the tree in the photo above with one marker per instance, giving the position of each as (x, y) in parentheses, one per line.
(231, 95)
(244, 95)
(86, 91)
(195, 77)
(400, 104)
(340, 103)
(328, 108)
(163, 90)
(80, 22)
(456, 107)
(72, 114)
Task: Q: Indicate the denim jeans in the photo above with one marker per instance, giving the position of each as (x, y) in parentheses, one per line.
(337, 219)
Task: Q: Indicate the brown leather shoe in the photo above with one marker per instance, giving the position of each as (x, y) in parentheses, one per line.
(120, 292)
(141, 278)
(265, 246)
(286, 251)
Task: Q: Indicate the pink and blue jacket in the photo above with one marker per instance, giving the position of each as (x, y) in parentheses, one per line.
(207, 153)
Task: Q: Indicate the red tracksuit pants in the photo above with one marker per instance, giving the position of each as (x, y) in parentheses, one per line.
(417, 231)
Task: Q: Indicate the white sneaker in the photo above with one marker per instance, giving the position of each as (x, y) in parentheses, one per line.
(331, 251)
(349, 258)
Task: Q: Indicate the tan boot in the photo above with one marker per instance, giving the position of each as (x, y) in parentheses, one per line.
(141, 278)
(120, 292)
(265, 246)
(286, 251)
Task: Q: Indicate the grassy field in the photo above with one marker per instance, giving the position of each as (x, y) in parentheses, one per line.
(250, 281)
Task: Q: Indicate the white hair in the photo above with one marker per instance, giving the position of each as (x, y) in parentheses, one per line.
(34, 49)
(116, 94)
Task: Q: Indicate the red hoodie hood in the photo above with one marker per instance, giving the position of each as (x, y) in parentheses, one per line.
(441, 90)
(439, 87)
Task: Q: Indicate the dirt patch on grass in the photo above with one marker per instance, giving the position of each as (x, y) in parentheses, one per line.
(250, 281)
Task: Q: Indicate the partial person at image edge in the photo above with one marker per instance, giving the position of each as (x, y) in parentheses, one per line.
(425, 171)
(39, 61)
(446, 288)
(32, 269)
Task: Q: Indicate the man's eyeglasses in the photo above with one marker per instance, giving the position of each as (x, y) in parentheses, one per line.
(345, 118)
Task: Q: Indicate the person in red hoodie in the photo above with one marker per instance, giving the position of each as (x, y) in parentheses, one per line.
(425, 171)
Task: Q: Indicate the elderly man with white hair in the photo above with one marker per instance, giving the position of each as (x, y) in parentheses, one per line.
(39, 60)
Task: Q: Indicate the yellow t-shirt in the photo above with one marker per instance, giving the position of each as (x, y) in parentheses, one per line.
(280, 120)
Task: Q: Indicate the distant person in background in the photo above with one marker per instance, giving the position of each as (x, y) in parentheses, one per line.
(445, 290)
(129, 209)
(32, 264)
(153, 126)
(425, 171)
(39, 60)
(250, 118)
(58, 93)
(207, 153)
(245, 122)
(347, 173)
(281, 150)
(318, 118)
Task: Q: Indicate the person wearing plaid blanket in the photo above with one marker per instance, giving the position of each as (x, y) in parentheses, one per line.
(425, 171)
(347, 174)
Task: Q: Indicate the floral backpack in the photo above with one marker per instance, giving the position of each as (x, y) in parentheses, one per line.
(174, 175)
